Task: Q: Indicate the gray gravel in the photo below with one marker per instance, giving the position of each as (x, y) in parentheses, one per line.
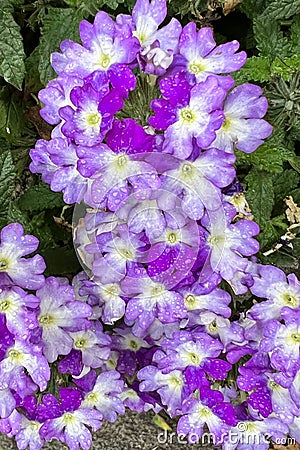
(131, 432)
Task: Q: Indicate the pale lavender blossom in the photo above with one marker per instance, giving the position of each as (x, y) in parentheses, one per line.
(14, 268)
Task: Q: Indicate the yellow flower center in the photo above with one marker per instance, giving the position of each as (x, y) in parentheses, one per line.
(157, 290)
(172, 238)
(46, 319)
(290, 300)
(195, 359)
(189, 300)
(295, 337)
(104, 61)
(126, 254)
(196, 68)
(215, 240)
(226, 124)
(187, 115)
(94, 119)
(4, 264)
(80, 343)
(5, 306)
(69, 417)
(15, 354)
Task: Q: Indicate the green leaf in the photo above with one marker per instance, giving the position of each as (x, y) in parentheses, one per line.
(57, 25)
(260, 195)
(285, 183)
(282, 9)
(39, 198)
(253, 8)
(255, 69)
(285, 67)
(270, 156)
(295, 163)
(12, 54)
(269, 38)
(7, 176)
(11, 114)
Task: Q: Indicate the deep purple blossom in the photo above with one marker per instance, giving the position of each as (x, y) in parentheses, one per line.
(187, 112)
(91, 117)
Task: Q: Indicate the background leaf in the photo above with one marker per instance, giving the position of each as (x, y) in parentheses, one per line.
(12, 55)
(57, 25)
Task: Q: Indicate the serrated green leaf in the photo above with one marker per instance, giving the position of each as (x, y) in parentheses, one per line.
(260, 195)
(255, 69)
(295, 163)
(285, 67)
(282, 9)
(39, 198)
(12, 55)
(284, 183)
(253, 8)
(57, 25)
(11, 115)
(269, 236)
(270, 156)
(7, 176)
(269, 38)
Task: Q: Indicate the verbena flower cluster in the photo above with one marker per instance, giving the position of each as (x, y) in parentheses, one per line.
(149, 323)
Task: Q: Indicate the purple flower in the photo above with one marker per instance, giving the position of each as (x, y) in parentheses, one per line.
(187, 112)
(68, 422)
(93, 344)
(266, 395)
(243, 127)
(59, 314)
(200, 57)
(56, 95)
(57, 161)
(174, 251)
(282, 342)
(92, 115)
(105, 395)
(19, 357)
(227, 242)
(107, 296)
(186, 349)
(14, 268)
(255, 434)
(280, 291)
(116, 175)
(197, 183)
(151, 299)
(103, 58)
(16, 305)
(210, 410)
(158, 46)
(169, 386)
(116, 253)
(216, 301)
